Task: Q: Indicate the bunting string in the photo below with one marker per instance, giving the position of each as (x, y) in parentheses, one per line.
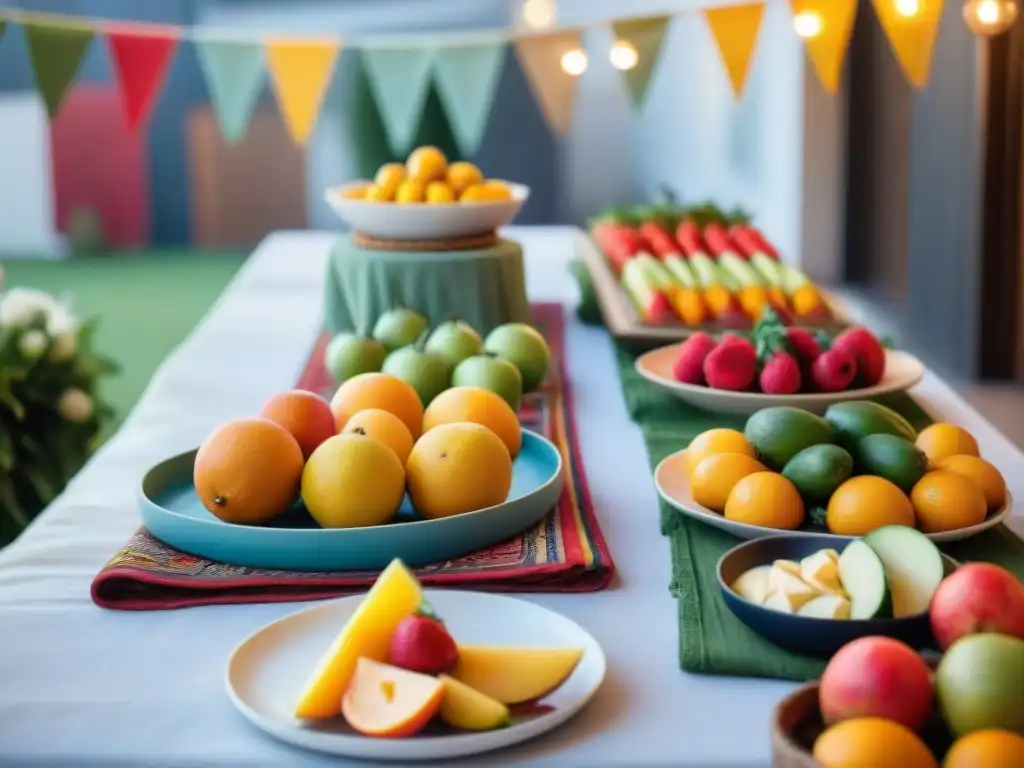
(465, 67)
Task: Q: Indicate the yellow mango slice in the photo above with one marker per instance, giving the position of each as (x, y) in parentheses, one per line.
(466, 708)
(514, 675)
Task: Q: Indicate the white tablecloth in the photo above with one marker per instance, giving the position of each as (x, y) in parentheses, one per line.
(81, 686)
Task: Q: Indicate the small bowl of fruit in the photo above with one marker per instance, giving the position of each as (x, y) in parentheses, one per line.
(813, 593)
(427, 198)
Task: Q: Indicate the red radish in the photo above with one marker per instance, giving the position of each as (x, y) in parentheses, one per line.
(619, 242)
(689, 239)
(661, 242)
(780, 375)
(717, 239)
(731, 366)
(867, 352)
(746, 245)
(762, 244)
(803, 345)
(833, 371)
(689, 366)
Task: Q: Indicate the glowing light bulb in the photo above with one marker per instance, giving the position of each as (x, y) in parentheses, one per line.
(539, 14)
(574, 62)
(623, 55)
(908, 9)
(808, 24)
(989, 18)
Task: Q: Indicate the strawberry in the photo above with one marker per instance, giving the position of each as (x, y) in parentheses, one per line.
(731, 338)
(731, 366)
(689, 366)
(834, 370)
(803, 345)
(780, 375)
(421, 643)
(867, 352)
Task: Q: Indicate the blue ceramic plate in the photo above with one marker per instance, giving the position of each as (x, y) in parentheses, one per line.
(172, 512)
(804, 634)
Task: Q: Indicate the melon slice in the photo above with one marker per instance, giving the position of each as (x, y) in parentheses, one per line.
(394, 596)
(466, 708)
(515, 675)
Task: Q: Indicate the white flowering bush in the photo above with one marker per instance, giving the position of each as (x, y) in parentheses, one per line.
(50, 415)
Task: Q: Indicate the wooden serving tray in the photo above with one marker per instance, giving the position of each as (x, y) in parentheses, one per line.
(624, 322)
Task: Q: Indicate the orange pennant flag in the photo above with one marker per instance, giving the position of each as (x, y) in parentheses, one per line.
(826, 27)
(735, 29)
(911, 26)
(300, 71)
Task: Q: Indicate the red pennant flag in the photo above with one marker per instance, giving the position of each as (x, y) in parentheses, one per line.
(141, 56)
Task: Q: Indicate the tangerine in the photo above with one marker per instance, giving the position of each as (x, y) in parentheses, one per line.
(865, 503)
(872, 741)
(426, 164)
(714, 478)
(385, 427)
(946, 501)
(462, 175)
(939, 441)
(378, 390)
(305, 414)
(714, 441)
(988, 748)
(766, 499)
(981, 472)
(479, 406)
(389, 177)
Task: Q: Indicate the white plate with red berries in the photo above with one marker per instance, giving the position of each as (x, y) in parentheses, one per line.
(409, 674)
(776, 366)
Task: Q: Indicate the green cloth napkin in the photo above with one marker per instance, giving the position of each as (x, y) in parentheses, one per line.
(711, 639)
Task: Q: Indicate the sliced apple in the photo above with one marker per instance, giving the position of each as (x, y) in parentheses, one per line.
(514, 675)
(466, 708)
(390, 702)
(752, 585)
(395, 595)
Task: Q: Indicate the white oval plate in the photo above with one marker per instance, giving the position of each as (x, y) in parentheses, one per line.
(398, 221)
(902, 371)
(674, 488)
(267, 670)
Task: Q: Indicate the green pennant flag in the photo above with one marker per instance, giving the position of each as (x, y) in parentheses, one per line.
(56, 51)
(399, 79)
(646, 35)
(3, 28)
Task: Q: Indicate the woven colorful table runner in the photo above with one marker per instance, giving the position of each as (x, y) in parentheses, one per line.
(566, 552)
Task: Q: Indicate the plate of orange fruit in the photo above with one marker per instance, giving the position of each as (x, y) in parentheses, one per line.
(312, 485)
(403, 673)
(427, 198)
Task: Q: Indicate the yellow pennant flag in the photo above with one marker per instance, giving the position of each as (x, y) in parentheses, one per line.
(300, 71)
(911, 26)
(735, 29)
(826, 27)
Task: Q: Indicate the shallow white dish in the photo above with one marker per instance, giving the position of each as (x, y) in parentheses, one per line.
(902, 371)
(267, 670)
(395, 221)
(673, 486)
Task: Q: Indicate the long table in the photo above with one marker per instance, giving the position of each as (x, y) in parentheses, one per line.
(80, 686)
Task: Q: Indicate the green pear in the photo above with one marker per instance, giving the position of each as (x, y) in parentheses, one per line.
(350, 354)
(980, 684)
(493, 373)
(524, 347)
(399, 328)
(424, 371)
(454, 341)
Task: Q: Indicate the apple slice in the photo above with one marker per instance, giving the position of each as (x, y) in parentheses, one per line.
(913, 567)
(514, 675)
(389, 702)
(466, 708)
(393, 597)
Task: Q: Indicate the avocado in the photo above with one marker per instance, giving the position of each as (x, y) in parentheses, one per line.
(778, 434)
(860, 418)
(817, 471)
(896, 459)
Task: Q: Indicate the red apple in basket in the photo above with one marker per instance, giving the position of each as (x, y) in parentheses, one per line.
(977, 597)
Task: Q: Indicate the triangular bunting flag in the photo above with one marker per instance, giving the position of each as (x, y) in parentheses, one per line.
(141, 56)
(234, 71)
(827, 48)
(56, 51)
(300, 71)
(467, 77)
(399, 78)
(912, 37)
(3, 28)
(646, 35)
(540, 57)
(735, 29)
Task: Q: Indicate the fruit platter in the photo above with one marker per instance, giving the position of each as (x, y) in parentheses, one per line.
(879, 702)
(666, 271)
(418, 454)
(858, 468)
(775, 364)
(402, 673)
(427, 198)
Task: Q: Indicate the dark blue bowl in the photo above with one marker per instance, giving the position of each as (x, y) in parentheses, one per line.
(803, 634)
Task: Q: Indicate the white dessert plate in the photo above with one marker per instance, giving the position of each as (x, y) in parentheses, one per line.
(268, 669)
(673, 486)
(414, 221)
(902, 371)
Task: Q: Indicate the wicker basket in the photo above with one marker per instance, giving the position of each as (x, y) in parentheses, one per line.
(796, 722)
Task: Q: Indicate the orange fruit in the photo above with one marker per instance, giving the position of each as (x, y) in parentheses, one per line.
(981, 472)
(384, 427)
(462, 175)
(714, 478)
(457, 468)
(865, 503)
(939, 441)
(378, 390)
(989, 748)
(305, 414)
(248, 471)
(946, 501)
(716, 441)
(480, 406)
(426, 164)
(357, 191)
(872, 741)
(375, 193)
(389, 177)
(439, 193)
(767, 499)
(410, 191)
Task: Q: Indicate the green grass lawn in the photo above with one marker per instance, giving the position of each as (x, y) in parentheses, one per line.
(147, 304)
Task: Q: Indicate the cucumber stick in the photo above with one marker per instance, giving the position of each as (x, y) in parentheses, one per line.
(739, 269)
(681, 271)
(709, 274)
(768, 267)
(792, 278)
(656, 272)
(637, 285)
